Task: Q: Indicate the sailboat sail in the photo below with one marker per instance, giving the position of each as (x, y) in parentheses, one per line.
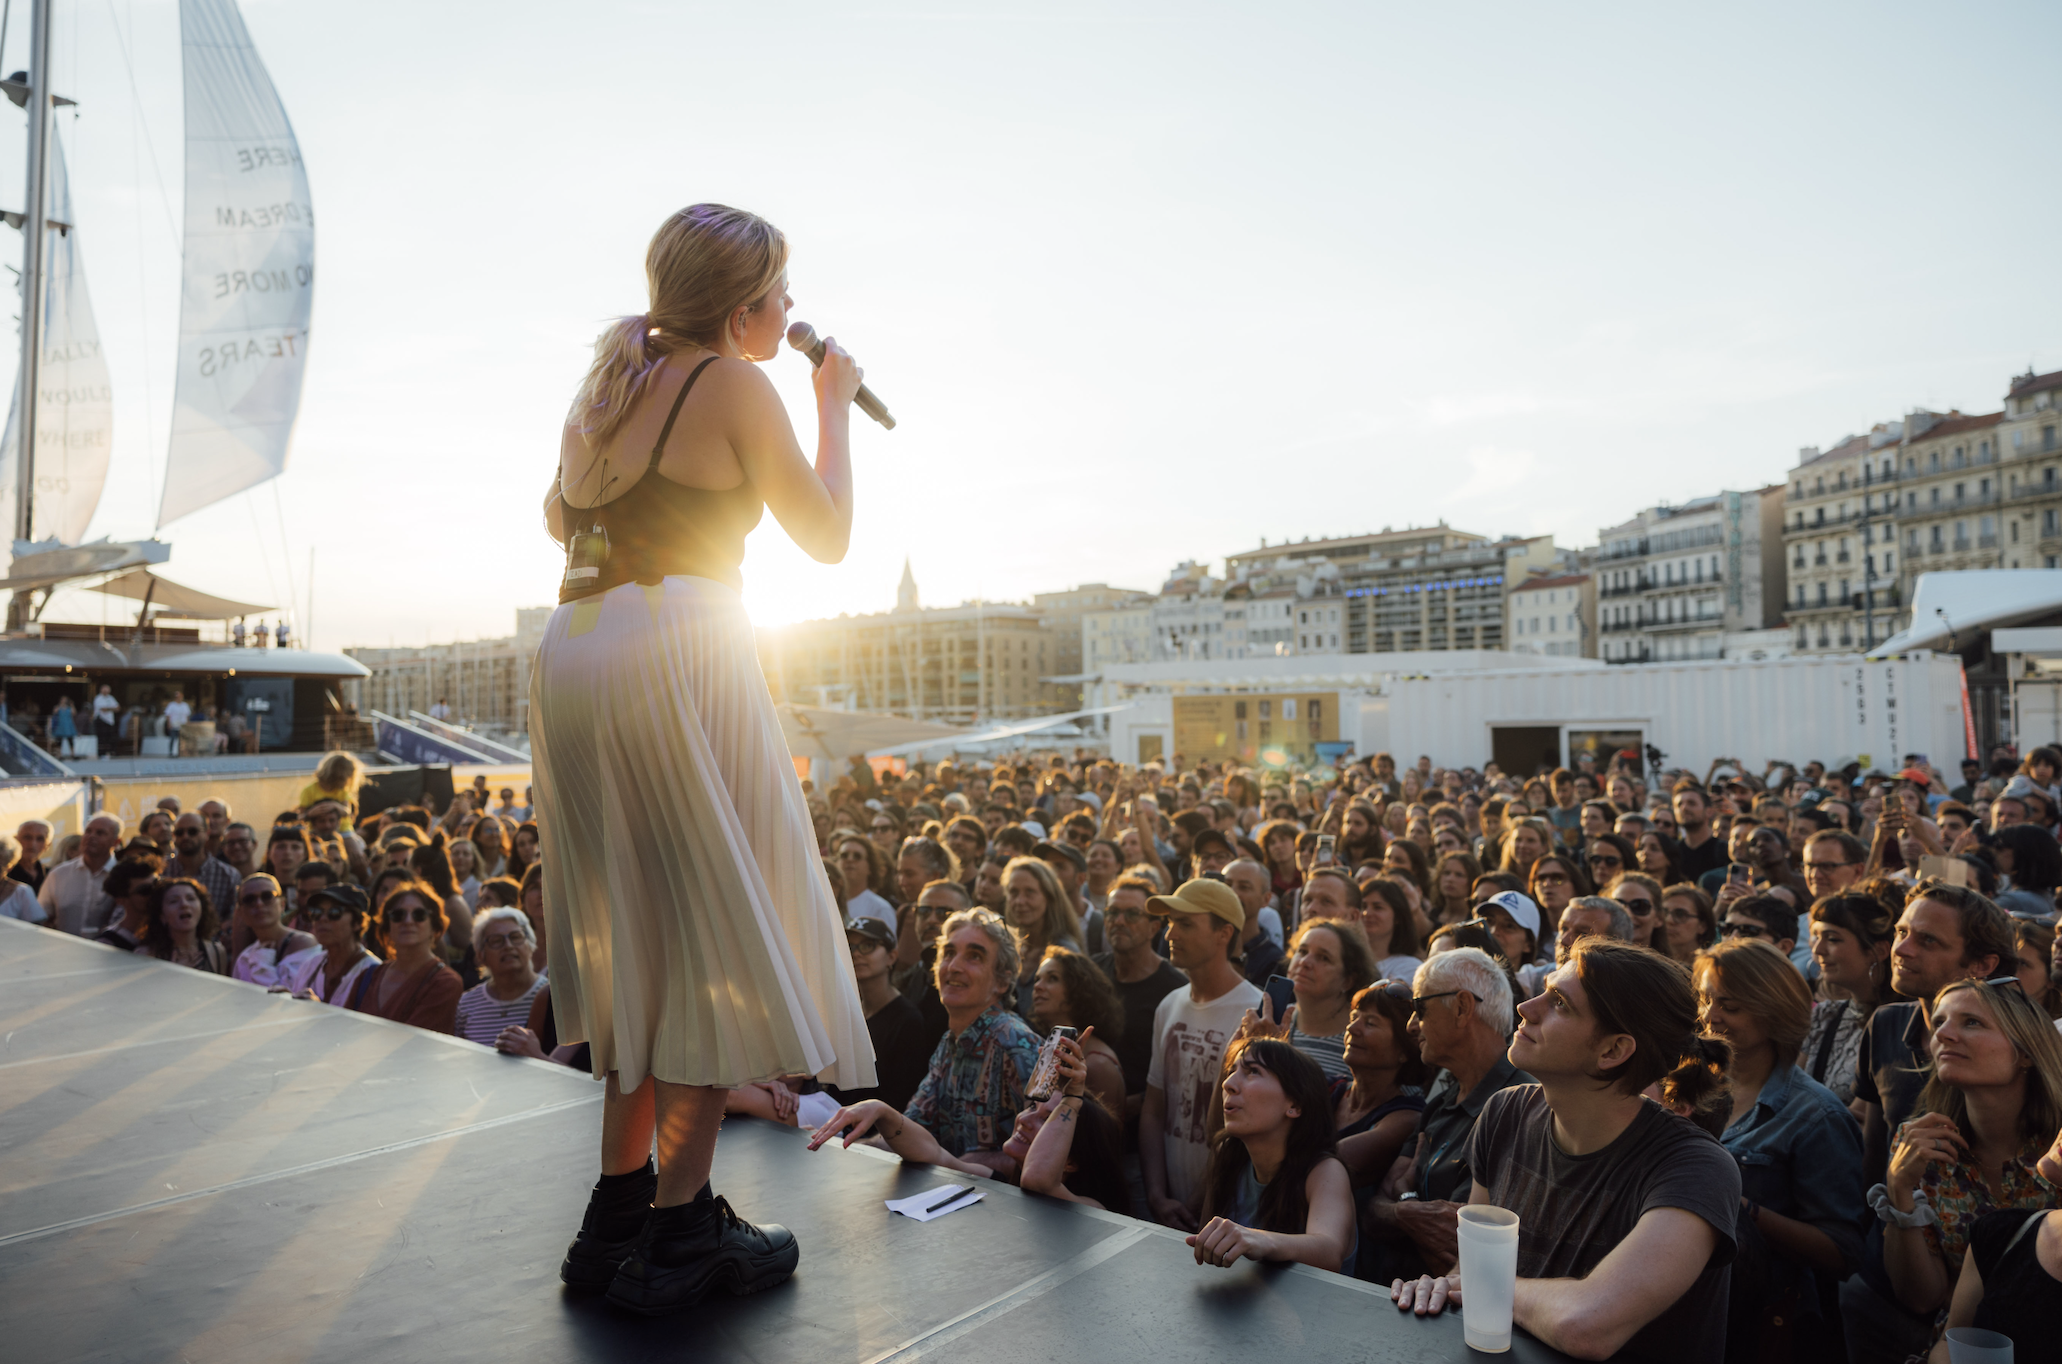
(75, 410)
(250, 270)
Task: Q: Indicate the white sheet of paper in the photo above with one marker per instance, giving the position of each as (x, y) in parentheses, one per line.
(914, 1207)
(814, 1110)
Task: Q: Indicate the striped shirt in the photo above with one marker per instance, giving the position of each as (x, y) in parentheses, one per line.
(481, 1017)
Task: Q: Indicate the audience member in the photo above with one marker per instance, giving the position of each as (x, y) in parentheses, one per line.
(1462, 1019)
(1690, 921)
(72, 891)
(1205, 923)
(1041, 913)
(1142, 978)
(1626, 1211)
(337, 918)
(179, 927)
(1329, 963)
(1070, 991)
(128, 885)
(411, 986)
(1274, 1189)
(1263, 946)
(268, 957)
(32, 840)
(2011, 1279)
(1851, 937)
(975, 1083)
(1800, 1157)
(1389, 920)
(505, 948)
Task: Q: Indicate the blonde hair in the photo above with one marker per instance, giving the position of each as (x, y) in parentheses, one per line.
(340, 772)
(1060, 918)
(2033, 1034)
(704, 263)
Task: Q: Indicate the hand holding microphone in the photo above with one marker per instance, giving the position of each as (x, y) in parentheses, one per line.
(803, 338)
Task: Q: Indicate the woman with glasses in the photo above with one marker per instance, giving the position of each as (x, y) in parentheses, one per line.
(1984, 1119)
(180, 927)
(1852, 934)
(336, 918)
(868, 877)
(885, 828)
(1689, 920)
(1554, 882)
(1329, 962)
(1800, 1157)
(507, 953)
(267, 961)
(411, 986)
(1607, 857)
(1641, 896)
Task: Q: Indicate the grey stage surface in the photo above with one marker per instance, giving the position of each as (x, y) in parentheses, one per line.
(195, 1170)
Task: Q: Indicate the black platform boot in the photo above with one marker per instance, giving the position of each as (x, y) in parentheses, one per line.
(686, 1251)
(616, 1213)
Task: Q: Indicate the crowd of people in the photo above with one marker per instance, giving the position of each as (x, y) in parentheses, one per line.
(1766, 1063)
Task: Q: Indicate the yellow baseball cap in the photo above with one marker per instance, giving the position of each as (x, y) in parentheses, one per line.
(1202, 896)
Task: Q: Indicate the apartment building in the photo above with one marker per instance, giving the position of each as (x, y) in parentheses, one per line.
(2033, 497)
(1679, 582)
(1554, 614)
(486, 682)
(1840, 542)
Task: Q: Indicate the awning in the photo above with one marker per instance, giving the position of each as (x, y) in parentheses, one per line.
(1952, 610)
(814, 732)
(168, 598)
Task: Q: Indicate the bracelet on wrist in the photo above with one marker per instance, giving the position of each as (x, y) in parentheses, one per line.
(1921, 1215)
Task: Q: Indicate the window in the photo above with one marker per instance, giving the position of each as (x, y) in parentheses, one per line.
(1822, 594)
(2047, 438)
(2048, 527)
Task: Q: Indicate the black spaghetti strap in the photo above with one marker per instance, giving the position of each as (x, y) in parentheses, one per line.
(667, 429)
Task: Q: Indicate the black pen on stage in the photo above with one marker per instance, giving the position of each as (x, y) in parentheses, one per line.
(803, 338)
(959, 1191)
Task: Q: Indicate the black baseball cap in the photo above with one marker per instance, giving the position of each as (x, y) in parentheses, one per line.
(872, 929)
(349, 897)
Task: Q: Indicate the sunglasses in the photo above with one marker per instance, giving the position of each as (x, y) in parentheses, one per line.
(2008, 982)
(329, 912)
(259, 897)
(417, 915)
(1741, 928)
(1636, 905)
(1418, 1002)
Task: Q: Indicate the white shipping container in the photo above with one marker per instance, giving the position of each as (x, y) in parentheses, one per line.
(1793, 709)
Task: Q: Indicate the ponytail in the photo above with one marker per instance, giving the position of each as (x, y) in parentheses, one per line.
(1699, 1088)
(704, 263)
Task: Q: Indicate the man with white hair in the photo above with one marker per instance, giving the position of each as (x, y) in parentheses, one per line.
(1462, 1015)
(71, 892)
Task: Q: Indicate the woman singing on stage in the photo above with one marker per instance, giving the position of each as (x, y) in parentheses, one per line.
(695, 944)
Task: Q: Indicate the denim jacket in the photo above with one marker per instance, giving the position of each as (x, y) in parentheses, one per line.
(1800, 1155)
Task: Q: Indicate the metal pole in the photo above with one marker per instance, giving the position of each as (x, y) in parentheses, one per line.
(35, 216)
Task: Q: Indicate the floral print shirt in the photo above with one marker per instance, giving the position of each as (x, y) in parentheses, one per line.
(1959, 1196)
(970, 1099)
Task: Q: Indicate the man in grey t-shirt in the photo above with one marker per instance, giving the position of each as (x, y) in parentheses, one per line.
(1626, 1212)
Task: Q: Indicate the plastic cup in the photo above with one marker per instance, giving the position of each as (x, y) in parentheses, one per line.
(1965, 1345)
(1488, 1242)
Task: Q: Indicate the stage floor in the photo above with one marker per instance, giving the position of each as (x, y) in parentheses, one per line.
(198, 1171)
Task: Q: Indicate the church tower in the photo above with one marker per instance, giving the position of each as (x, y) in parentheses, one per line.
(905, 592)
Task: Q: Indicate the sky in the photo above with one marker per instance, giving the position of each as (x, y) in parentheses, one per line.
(1141, 283)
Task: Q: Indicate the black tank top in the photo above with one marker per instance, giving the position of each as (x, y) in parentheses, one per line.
(659, 528)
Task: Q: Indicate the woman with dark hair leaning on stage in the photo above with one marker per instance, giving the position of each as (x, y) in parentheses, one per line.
(180, 927)
(648, 681)
(1275, 1188)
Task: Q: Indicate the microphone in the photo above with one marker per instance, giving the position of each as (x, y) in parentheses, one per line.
(803, 338)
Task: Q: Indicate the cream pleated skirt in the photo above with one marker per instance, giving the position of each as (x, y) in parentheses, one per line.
(691, 930)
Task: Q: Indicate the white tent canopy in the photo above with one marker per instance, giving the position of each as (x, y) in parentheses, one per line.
(814, 732)
(171, 599)
(1951, 610)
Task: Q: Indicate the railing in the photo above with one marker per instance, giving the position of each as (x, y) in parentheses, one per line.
(22, 758)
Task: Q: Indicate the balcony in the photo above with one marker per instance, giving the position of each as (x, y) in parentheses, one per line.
(1619, 627)
(1986, 542)
(1640, 585)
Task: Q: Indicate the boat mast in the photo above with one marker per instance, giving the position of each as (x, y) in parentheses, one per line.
(34, 224)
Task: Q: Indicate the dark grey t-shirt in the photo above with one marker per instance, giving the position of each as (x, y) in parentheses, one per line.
(1573, 1210)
